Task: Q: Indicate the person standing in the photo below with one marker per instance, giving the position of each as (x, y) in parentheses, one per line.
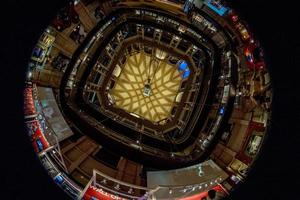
(214, 195)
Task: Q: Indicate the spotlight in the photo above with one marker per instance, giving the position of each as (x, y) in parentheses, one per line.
(117, 187)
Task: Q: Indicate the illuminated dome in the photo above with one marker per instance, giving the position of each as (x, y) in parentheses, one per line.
(148, 99)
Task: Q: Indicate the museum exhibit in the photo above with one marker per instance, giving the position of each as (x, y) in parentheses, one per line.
(148, 99)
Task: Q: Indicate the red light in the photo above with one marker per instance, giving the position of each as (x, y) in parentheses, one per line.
(234, 18)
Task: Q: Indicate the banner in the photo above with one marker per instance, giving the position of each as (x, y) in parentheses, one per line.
(94, 193)
(37, 138)
(29, 108)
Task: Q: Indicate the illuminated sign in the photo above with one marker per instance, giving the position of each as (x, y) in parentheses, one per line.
(225, 94)
(99, 194)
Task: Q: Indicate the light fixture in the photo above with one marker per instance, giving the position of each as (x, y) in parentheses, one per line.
(76, 2)
(29, 74)
(117, 187)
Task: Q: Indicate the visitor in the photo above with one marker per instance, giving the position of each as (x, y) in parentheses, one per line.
(214, 195)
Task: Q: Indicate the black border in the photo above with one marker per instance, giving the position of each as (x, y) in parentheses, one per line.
(275, 175)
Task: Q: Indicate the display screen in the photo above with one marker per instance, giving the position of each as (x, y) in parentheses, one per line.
(47, 39)
(52, 113)
(183, 66)
(253, 145)
(186, 73)
(59, 179)
(38, 53)
(216, 6)
(222, 110)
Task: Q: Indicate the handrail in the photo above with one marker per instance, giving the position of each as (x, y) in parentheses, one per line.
(95, 171)
(118, 181)
(56, 145)
(116, 192)
(150, 191)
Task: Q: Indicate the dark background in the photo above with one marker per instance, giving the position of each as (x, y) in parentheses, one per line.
(276, 173)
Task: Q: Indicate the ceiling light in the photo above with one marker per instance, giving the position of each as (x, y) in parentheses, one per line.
(117, 187)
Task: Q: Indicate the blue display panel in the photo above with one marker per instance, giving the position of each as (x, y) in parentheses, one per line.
(186, 73)
(222, 110)
(182, 66)
(216, 6)
(39, 145)
(59, 179)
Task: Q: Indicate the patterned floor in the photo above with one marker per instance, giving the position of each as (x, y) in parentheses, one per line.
(128, 91)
